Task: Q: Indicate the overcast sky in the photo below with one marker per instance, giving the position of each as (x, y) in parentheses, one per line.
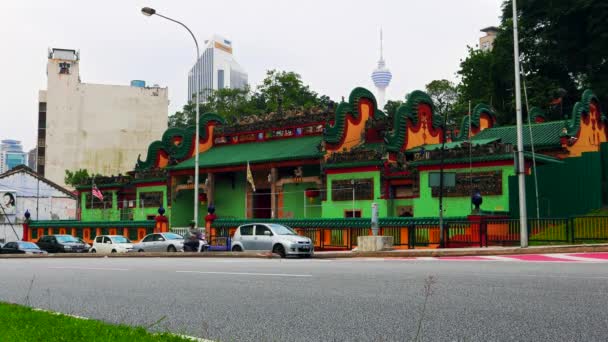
(332, 44)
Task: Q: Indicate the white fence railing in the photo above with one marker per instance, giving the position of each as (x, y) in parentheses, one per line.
(183, 231)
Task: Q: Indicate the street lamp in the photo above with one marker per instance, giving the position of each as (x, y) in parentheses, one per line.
(147, 11)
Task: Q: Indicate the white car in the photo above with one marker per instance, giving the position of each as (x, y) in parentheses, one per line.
(273, 237)
(111, 244)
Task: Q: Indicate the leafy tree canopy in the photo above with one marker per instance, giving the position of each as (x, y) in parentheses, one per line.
(279, 91)
(77, 177)
(562, 52)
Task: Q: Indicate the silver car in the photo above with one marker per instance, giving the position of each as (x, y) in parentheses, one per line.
(160, 242)
(273, 237)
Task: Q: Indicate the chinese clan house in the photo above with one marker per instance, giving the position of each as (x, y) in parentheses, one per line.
(330, 166)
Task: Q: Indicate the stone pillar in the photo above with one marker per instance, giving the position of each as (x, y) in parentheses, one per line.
(210, 188)
(273, 193)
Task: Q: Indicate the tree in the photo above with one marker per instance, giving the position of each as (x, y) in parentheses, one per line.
(287, 88)
(187, 116)
(562, 46)
(77, 177)
(476, 81)
(277, 87)
(444, 96)
(390, 108)
(231, 104)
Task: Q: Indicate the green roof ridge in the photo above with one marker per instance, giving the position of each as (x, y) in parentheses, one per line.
(333, 133)
(409, 110)
(181, 150)
(295, 148)
(475, 121)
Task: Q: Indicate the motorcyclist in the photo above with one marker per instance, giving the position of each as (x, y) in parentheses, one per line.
(195, 240)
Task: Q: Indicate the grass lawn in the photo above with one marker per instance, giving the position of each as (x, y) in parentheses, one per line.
(18, 323)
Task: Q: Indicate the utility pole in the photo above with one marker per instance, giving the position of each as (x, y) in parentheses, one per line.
(443, 137)
(523, 216)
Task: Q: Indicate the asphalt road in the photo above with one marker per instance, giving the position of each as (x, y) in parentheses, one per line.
(323, 300)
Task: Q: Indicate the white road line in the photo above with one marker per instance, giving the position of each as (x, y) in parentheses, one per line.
(426, 258)
(500, 258)
(89, 268)
(250, 274)
(575, 258)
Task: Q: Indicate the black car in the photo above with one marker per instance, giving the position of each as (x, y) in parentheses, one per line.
(61, 244)
(21, 247)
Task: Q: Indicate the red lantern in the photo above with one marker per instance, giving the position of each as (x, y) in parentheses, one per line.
(311, 194)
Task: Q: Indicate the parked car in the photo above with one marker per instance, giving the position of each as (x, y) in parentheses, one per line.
(21, 247)
(160, 242)
(86, 244)
(111, 244)
(277, 238)
(61, 244)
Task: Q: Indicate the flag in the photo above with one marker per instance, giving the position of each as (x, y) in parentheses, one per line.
(97, 193)
(250, 177)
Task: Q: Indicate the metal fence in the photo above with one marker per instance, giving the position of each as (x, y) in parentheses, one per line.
(457, 233)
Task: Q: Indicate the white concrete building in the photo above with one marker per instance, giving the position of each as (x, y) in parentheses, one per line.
(28, 191)
(98, 127)
(215, 69)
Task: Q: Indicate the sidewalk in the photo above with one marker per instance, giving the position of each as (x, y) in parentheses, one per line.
(477, 251)
(400, 253)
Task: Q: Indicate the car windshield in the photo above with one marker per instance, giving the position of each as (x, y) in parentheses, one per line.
(282, 230)
(28, 245)
(120, 239)
(172, 236)
(66, 238)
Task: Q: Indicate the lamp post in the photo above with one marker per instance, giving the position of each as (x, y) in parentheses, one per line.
(521, 175)
(443, 137)
(147, 11)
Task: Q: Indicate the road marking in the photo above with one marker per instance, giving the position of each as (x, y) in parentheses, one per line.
(251, 274)
(499, 258)
(512, 275)
(575, 258)
(89, 268)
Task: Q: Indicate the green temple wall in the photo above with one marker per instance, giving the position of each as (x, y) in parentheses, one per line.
(229, 199)
(295, 203)
(182, 211)
(141, 214)
(576, 187)
(110, 213)
(428, 206)
(335, 209)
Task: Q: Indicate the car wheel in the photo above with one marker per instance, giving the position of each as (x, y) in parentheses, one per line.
(113, 251)
(141, 250)
(279, 249)
(171, 249)
(237, 249)
(93, 250)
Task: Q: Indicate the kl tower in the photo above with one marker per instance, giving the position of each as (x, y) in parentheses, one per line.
(381, 77)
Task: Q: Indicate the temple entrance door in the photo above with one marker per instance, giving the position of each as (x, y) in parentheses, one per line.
(261, 203)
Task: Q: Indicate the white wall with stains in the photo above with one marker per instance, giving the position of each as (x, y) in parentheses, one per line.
(98, 127)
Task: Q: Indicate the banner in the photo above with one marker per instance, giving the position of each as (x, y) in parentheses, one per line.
(7, 203)
(250, 177)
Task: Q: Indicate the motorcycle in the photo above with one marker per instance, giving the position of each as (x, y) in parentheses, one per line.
(192, 245)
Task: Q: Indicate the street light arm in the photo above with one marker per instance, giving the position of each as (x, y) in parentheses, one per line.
(186, 27)
(148, 12)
